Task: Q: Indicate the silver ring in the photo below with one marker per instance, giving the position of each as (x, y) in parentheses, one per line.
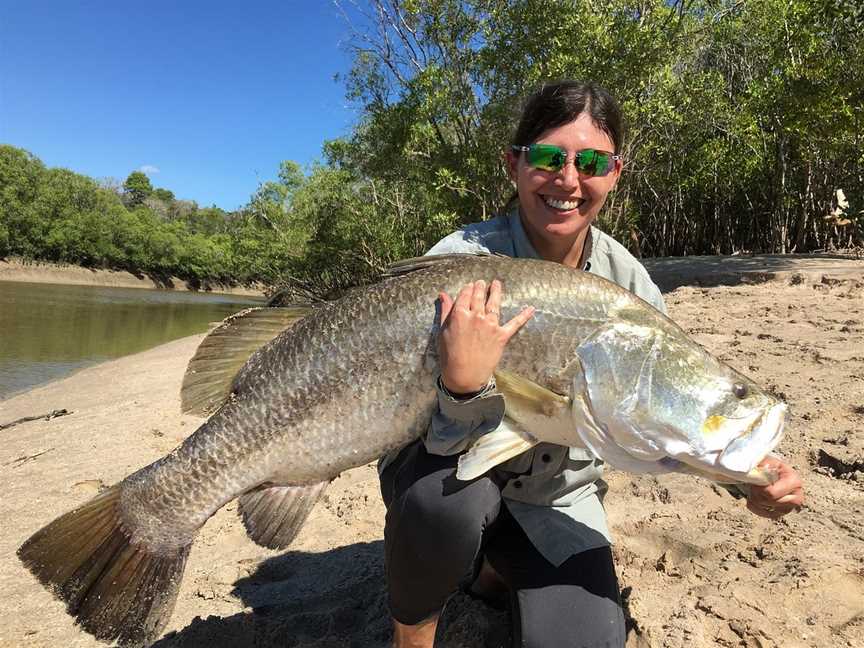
(492, 311)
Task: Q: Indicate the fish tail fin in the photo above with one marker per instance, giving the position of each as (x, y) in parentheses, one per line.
(116, 590)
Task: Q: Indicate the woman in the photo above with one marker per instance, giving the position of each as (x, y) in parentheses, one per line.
(538, 519)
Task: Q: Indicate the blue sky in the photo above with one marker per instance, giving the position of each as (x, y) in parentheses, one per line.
(211, 94)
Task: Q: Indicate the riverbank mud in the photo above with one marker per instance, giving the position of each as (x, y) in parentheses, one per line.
(56, 273)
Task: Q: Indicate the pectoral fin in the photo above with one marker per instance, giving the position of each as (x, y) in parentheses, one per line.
(526, 399)
(507, 441)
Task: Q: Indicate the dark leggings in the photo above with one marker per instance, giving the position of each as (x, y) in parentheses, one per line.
(437, 531)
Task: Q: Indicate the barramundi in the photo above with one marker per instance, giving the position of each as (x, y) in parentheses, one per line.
(296, 396)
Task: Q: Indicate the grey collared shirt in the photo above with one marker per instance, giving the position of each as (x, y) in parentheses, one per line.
(554, 492)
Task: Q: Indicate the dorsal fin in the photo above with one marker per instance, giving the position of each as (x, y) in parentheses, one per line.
(226, 349)
(406, 266)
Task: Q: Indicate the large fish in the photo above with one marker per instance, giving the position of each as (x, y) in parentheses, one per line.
(355, 379)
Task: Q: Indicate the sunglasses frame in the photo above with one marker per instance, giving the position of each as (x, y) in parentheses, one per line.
(526, 149)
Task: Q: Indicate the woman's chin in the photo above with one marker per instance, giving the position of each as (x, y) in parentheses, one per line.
(567, 224)
(555, 226)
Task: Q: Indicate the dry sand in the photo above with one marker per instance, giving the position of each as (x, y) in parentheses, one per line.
(697, 568)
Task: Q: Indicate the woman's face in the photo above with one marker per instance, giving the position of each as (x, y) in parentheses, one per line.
(557, 207)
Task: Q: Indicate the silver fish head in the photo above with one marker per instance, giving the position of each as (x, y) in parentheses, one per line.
(662, 401)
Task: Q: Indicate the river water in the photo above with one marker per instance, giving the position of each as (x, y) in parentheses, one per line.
(47, 331)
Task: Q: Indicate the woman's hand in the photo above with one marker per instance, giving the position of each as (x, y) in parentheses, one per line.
(471, 340)
(783, 496)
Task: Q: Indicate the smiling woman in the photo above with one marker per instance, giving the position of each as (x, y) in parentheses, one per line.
(560, 200)
(535, 523)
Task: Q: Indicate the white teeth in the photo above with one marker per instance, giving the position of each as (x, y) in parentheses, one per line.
(563, 205)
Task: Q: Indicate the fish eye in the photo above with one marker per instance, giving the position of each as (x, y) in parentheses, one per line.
(740, 390)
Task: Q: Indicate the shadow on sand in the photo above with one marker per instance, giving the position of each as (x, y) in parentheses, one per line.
(333, 599)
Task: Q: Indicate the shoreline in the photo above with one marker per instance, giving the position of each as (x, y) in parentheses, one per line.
(18, 270)
(667, 272)
(110, 366)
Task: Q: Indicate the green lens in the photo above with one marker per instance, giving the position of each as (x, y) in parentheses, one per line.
(592, 163)
(546, 157)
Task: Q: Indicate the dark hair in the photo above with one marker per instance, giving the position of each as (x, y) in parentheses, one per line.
(559, 103)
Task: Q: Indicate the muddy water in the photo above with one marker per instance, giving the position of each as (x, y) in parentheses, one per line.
(48, 331)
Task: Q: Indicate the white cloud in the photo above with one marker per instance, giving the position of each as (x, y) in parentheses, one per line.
(149, 169)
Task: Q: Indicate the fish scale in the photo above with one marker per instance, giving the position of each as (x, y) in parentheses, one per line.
(299, 425)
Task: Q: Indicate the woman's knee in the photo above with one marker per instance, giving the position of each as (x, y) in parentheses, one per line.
(432, 542)
(435, 536)
(429, 506)
(567, 616)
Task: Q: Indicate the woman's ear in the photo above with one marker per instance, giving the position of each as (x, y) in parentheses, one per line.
(512, 162)
(616, 172)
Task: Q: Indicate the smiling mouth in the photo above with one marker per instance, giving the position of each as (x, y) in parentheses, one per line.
(562, 205)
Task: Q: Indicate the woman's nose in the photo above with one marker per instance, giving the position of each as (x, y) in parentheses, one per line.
(568, 176)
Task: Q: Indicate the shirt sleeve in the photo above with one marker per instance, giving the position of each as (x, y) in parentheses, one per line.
(643, 286)
(651, 293)
(456, 243)
(457, 423)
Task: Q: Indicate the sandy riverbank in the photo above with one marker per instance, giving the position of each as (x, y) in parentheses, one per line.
(55, 273)
(697, 569)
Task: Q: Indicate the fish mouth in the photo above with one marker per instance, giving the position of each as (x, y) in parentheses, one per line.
(744, 453)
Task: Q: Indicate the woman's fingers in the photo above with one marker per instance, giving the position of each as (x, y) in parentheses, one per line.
(463, 299)
(472, 341)
(791, 498)
(446, 306)
(478, 298)
(474, 299)
(781, 497)
(518, 321)
(493, 304)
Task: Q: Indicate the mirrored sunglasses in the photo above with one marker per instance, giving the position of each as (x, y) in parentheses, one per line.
(548, 157)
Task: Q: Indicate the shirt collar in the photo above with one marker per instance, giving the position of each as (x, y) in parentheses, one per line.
(521, 245)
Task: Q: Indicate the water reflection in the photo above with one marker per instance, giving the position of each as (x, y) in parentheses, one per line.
(48, 331)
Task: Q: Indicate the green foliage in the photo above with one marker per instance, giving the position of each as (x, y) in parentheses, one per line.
(743, 119)
(137, 188)
(4, 240)
(164, 195)
(20, 175)
(58, 215)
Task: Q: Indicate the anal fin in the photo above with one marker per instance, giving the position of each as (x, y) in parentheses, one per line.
(505, 442)
(273, 515)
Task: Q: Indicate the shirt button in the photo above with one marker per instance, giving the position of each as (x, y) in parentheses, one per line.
(517, 484)
(546, 458)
